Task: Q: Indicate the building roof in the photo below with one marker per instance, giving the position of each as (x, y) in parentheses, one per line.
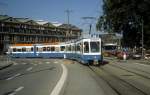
(56, 24)
(49, 24)
(32, 22)
(41, 22)
(2, 17)
(23, 20)
(6, 18)
(68, 26)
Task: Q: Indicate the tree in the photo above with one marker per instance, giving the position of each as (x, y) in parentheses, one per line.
(126, 16)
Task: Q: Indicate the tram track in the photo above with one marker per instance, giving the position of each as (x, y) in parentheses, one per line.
(134, 72)
(120, 86)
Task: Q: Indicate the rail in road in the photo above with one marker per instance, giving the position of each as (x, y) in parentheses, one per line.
(124, 80)
(136, 71)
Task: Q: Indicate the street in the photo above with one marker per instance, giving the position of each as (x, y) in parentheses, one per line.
(29, 77)
(67, 77)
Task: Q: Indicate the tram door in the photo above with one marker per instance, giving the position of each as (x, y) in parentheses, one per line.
(34, 50)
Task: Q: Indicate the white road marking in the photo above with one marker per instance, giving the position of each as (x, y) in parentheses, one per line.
(19, 89)
(13, 76)
(47, 62)
(29, 69)
(16, 90)
(60, 83)
(56, 62)
(12, 93)
(17, 75)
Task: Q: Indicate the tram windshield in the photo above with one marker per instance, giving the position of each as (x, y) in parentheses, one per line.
(95, 47)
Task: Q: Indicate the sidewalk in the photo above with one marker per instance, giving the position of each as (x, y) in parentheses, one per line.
(5, 62)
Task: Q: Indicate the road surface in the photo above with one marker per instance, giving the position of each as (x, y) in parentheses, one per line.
(66, 77)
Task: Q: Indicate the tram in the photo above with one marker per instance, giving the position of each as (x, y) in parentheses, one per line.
(85, 50)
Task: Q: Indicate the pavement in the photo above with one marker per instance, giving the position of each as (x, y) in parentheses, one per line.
(5, 62)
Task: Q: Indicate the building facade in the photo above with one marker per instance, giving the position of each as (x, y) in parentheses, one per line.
(27, 31)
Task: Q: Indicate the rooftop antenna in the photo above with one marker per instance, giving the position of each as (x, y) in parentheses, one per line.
(68, 15)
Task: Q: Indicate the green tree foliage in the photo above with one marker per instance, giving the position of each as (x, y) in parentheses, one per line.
(126, 16)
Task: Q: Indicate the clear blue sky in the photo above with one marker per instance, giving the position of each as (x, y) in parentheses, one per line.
(52, 10)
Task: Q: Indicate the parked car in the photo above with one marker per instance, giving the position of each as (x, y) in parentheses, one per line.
(121, 54)
(147, 56)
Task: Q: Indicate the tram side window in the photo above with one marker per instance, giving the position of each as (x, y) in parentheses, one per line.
(28, 49)
(86, 47)
(23, 49)
(40, 49)
(78, 47)
(62, 48)
(69, 48)
(52, 48)
(44, 48)
(14, 49)
(48, 49)
(19, 50)
(57, 49)
(95, 46)
(32, 49)
(73, 48)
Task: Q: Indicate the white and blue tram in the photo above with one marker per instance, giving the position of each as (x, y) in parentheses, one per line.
(37, 51)
(85, 50)
(89, 51)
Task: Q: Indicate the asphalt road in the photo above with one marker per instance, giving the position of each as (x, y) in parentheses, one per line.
(115, 78)
(66, 77)
(30, 77)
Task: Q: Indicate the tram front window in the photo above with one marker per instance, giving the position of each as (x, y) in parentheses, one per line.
(95, 46)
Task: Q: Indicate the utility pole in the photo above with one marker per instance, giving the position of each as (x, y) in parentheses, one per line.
(68, 22)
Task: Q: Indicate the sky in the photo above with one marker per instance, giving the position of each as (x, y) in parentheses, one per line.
(53, 10)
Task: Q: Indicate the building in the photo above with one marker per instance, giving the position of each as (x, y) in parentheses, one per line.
(27, 31)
